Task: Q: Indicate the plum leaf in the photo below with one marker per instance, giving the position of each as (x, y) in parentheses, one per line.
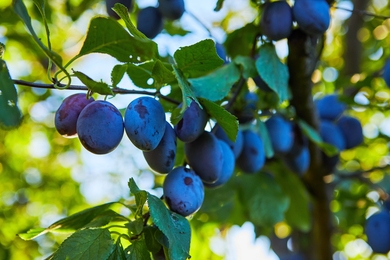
(263, 131)
(140, 74)
(161, 75)
(137, 250)
(117, 74)
(95, 86)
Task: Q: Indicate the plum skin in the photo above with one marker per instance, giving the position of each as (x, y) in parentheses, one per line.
(252, 157)
(351, 130)
(377, 229)
(312, 16)
(162, 158)
(150, 22)
(183, 191)
(65, 119)
(192, 124)
(281, 134)
(277, 20)
(236, 146)
(145, 123)
(100, 127)
(171, 9)
(330, 107)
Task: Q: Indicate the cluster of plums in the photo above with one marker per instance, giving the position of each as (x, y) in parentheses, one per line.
(377, 230)
(312, 17)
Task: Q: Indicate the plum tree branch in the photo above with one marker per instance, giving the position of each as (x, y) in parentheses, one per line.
(362, 12)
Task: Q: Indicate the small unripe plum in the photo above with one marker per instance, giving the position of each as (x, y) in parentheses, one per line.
(162, 158)
(236, 146)
(281, 133)
(183, 191)
(377, 229)
(65, 119)
(171, 9)
(145, 123)
(192, 124)
(312, 16)
(352, 131)
(227, 166)
(252, 157)
(204, 155)
(330, 107)
(386, 72)
(277, 20)
(150, 21)
(110, 4)
(100, 127)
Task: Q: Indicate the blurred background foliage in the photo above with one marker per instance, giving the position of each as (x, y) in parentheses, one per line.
(44, 176)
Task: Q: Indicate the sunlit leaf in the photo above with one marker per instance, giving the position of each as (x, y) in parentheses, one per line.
(141, 75)
(117, 73)
(140, 196)
(161, 75)
(137, 250)
(95, 86)
(118, 253)
(123, 13)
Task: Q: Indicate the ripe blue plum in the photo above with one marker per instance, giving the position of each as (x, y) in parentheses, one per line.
(352, 131)
(162, 158)
(377, 229)
(110, 4)
(277, 20)
(204, 155)
(236, 146)
(386, 72)
(192, 124)
(252, 157)
(221, 52)
(331, 134)
(145, 123)
(150, 21)
(183, 191)
(171, 9)
(281, 133)
(227, 166)
(330, 107)
(298, 163)
(100, 127)
(65, 119)
(312, 16)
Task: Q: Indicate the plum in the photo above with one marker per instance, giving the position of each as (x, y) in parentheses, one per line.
(192, 124)
(171, 9)
(252, 157)
(162, 158)
(100, 127)
(236, 146)
(110, 4)
(204, 155)
(247, 113)
(298, 163)
(377, 229)
(183, 191)
(330, 107)
(281, 134)
(352, 131)
(150, 21)
(65, 119)
(331, 134)
(312, 16)
(145, 123)
(386, 72)
(276, 20)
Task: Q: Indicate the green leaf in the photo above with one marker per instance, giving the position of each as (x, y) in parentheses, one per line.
(95, 86)
(248, 67)
(315, 137)
(173, 28)
(216, 85)
(227, 121)
(175, 227)
(2, 50)
(118, 253)
(198, 59)
(138, 251)
(123, 13)
(141, 74)
(273, 71)
(71, 223)
(117, 74)
(263, 198)
(263, 131)
(161, 75)
(10, 115)
(86, 244)
(219, 5)
(107, 36)
(298, 213)
(32, 233)
(151, 241)
(240, 42)
(140, 196)
(136, 226)
(105, 218)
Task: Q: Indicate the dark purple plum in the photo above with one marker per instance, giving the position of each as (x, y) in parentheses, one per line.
(171, 9)
(386, 72)
(352, 130)
(276, 20)
(100, 127)
(330, 107)
(221, 52)
(252, 157)
(377, 229)
(162, 159)
(150, 22)
(110, 4)
(65, 119)
(145, 123)
(312, 16)
(331, 134)
(236, 146)
(281, 133)
(183, 191)
(227, 166)
(298, 163)
(204, 155)
(192, 124)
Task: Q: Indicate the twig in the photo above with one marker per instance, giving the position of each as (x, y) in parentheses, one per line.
(363, 13)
